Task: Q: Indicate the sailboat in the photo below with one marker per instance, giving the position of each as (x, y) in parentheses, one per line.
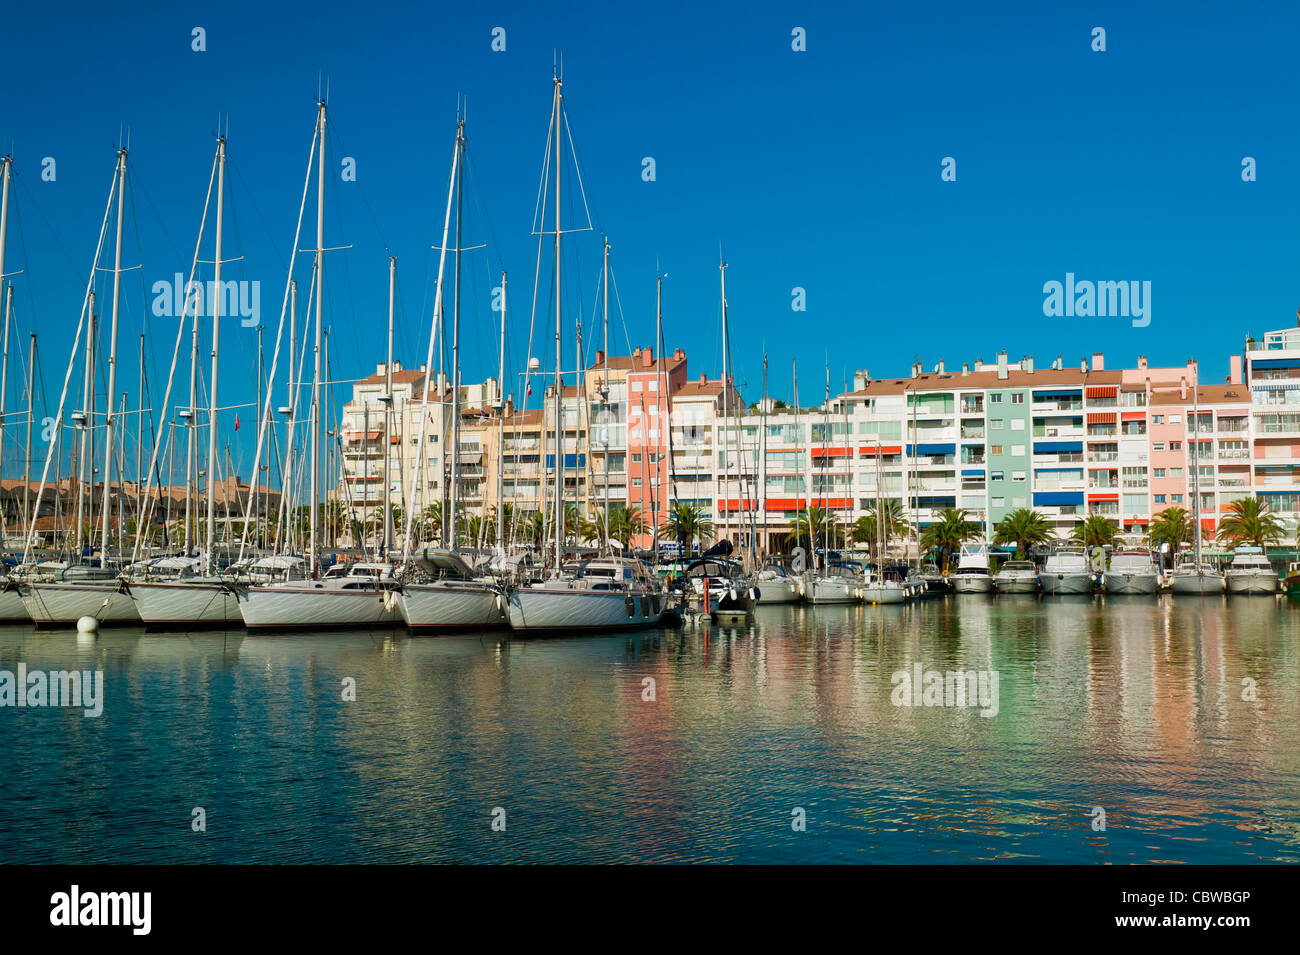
(612, 594)
(1196, 576)
(349, 595)
(439, 591)
(89, 589)
(184, 591)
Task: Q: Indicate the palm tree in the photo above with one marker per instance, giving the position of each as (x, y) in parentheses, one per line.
(430, 523)
(815, 525)
(625, 523)
(1172, 526)
(948, 534)
(1023, 527)
(891, 521)
(1096, 530)
(686, 524)
(1249, 521)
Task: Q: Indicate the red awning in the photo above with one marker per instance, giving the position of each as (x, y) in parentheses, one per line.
(832, 452)
(1103, 391)
(1102, 417)
(1133, 416)
(357, 435)
(1103, 497)
(885, 449)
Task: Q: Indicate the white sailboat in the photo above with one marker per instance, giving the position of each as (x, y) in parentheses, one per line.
(1194, 575)
(776, 585)
(600, 595)
(440, 592)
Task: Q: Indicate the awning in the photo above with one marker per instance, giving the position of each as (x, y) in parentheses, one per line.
(1058, 394)
(1058, 447)
(1133, 416)
(357, 435)
(1057, 498)
(885, 449)
(930, 450)
(1274, 363)
(469, 457)
(1103, 497)
(1102, 417)
(973, 472)
(832, 452)
(1103, 392)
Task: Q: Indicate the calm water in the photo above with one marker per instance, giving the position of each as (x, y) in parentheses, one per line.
(1135, 707)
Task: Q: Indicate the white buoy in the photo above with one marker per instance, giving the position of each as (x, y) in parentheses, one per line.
(87, 625)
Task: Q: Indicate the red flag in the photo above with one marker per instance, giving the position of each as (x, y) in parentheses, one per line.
(236, 422)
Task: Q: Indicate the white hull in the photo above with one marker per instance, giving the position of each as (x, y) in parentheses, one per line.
(186, 604)
(63, 604)
(972, 583)
(1017, 585)
(883, 595)
(1197, 584)
(1075, 583)
(305, 606)
(1132, 583)
(12, 608)
(1252, 582)
(450, 606)
(835, 590)
(779, 592)
(555, 610)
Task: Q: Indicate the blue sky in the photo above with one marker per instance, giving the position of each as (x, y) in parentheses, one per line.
(816, 169)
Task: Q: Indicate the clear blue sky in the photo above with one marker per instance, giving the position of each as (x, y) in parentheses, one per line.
(817, 169)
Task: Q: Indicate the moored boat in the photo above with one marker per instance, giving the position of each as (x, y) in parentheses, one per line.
(441, 592)
(1017, 577)
(1131, 571)
(972, 574)
(347, 596)
(1067, 570)
(1251, 573)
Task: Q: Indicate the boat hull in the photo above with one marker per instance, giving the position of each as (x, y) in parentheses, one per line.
(1017, 585)
(835, 591)
(12, 608)
(311, 608)
(186, 604)
(1252, 582)
(52, 604)
(428, 608)
(779, 592)
(1202, 584)
(1132, 583)
(883, 595)
(1066, 583)
(544, 610)
(972, 583)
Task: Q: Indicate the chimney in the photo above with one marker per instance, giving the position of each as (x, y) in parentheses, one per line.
(381, 368)
(916, 369)
(1234, 369)
(1002, 364)
(1142, 362)
(1083, 365)
(600, 356)
(941, 366)
(704, 379)
(965, 369)
(647, 357)
(1182, 388)
(1098, 361)
(1059, 363)
(679, 355)
(1027, 363)
(636, 356)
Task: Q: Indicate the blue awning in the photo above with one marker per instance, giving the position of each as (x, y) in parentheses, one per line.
(933, 502)
(931, 449)
(1058, 394)
(1058, 447)
(1276, 467)
(1078, 471)
(570, 461)
(1057, 498)
(973, 472)
(1274, 363)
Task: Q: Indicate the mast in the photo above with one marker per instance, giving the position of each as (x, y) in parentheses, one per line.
(87, 424)
(454, 482)
(604, 384)
(286, 489)
(27, 468)
(314, 554)
(109, 422)
(388, 408)
(501, 419)
(1196, 468)
(760, 467)
(216, 298)
(826, 436)
(139, 448)
(726, 468)
(4, 363)
(559, 342)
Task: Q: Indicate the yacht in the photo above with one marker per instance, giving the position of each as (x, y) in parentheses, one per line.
(878, 589)
(1017, 577)
(173, 592)
(1132, 571)
(347, 595)
(441, 592)
(594, 595)
(972, 575)
(776, 585)
(935, 581)
(840, 582)
(82, 590)
(720, 586)
(1193, 577)
(1067, 571)
(1251, 573)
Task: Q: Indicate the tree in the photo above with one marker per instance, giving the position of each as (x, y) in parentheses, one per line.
(686, 523)
(430, 521)
(1023, 527)
(1249, 521)
(816, 525)
(948, 533)
(890, 521)
(1171, 526)
(1096, 530)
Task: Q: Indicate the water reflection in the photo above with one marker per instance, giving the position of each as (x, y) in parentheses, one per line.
(1178, 719)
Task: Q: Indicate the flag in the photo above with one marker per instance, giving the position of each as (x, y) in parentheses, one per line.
(529, 392)
(236, 422)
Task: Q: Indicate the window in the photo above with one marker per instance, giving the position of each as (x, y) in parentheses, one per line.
(1158, 472)
(636, 459)
(1017, 424)
(1158, 498)
(1175, 472)
(1017, 475)
(636, 386)
(1157, 419)
(1175, 445)
(1018, 398)
(1175, 419)
(999, 502)
(995, 449)
(1018, 450)
(996, 476)
(1157, 445)
(1176, 498)
(654, 384)
(995, 399)
(995, 423)
(636, 482)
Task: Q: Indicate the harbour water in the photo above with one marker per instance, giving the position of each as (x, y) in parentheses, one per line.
(1177, 718)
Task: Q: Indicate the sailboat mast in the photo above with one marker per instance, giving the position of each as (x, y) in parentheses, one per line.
(4, 363)
(726, 444)
(556, 121)
(604, 384)
(27, 467)
(216, 299)
(87, 425)
(314, 502)
(454, 482)
(286, 490)
(1196, 466)
(388, 409)
(501, 425)
(109, 420)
